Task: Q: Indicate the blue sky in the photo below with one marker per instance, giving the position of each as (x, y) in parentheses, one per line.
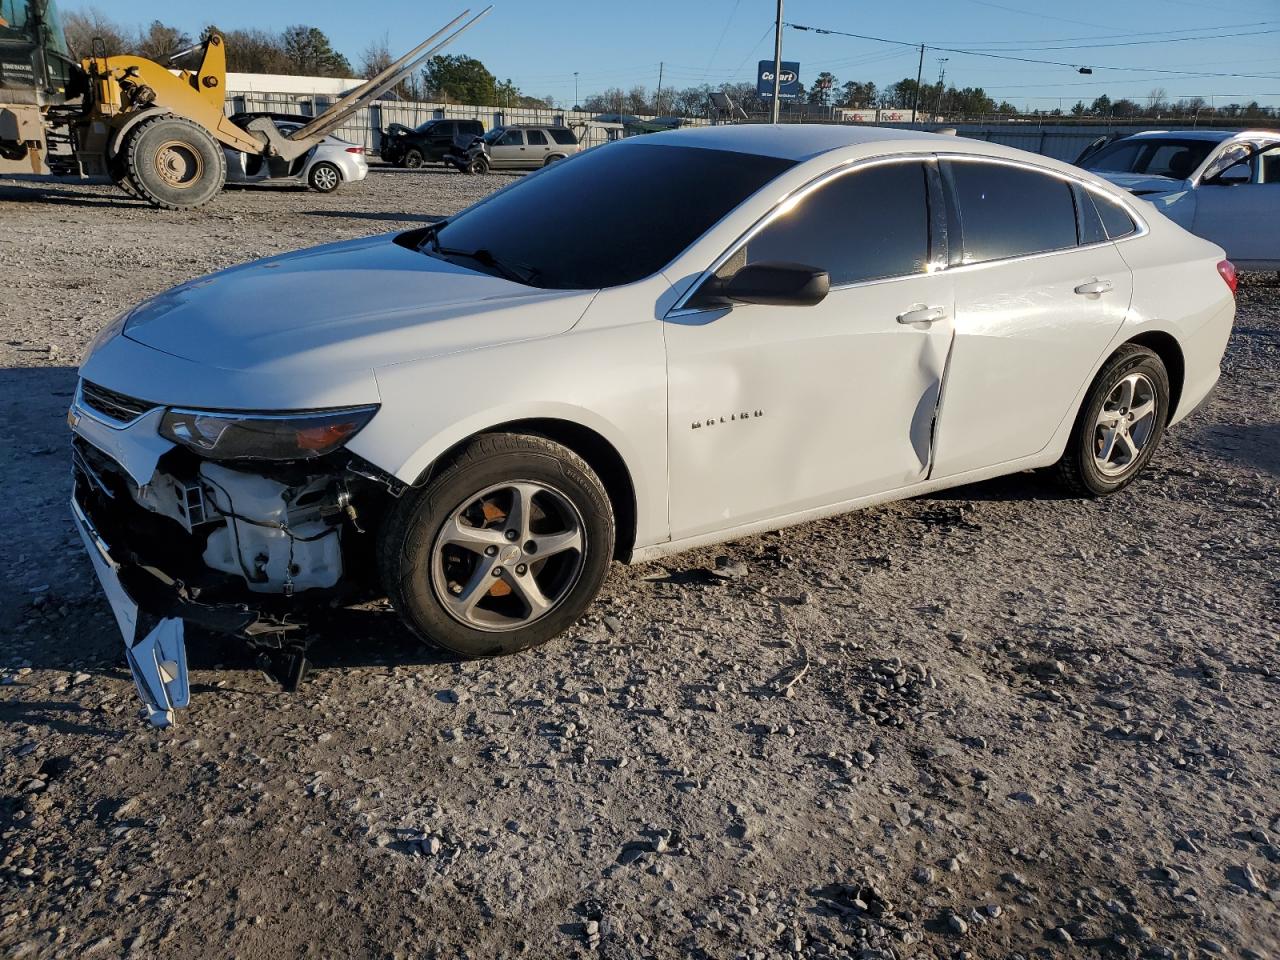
(540, 44)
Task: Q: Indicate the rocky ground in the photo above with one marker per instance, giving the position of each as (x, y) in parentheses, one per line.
(989, 723)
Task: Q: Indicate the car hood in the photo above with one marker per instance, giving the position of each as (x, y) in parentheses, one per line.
(357, 304)
(1141, 184)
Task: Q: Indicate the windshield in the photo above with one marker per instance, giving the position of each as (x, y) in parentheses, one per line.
(1177, 159)
(493, 134)
(610, 216)
(425, 127)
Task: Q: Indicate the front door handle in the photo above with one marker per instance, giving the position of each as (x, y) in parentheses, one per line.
(919, 313)
(1094, 287)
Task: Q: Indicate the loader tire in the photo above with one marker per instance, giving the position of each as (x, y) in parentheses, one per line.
(175, 163)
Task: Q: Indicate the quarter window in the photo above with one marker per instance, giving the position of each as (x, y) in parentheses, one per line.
(563, 136)
(1008, 211)
(866, 225)
(1115, 218)
(536, 138)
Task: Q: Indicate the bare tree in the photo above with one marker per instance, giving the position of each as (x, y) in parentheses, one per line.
(160, 41)
(82, 27)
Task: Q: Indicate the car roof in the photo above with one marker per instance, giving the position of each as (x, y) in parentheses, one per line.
(793, 141)
(1214, 136)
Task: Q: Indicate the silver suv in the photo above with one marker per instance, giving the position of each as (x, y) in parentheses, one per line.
(526, 146)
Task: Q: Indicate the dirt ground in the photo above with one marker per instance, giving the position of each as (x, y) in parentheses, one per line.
(994, 722)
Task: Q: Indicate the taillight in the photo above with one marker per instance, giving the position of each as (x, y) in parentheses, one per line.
(355, 149)
(1227, 270)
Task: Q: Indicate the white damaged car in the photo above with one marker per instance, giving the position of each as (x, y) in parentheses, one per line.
(767, 325)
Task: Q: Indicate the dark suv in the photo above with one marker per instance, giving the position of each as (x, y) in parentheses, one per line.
(428, 143)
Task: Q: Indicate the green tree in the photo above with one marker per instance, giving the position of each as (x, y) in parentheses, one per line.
(820, 92)
(311, 53)
(461, 79)
(1101, 106)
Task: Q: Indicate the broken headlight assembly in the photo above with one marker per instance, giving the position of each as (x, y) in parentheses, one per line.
(221, 435)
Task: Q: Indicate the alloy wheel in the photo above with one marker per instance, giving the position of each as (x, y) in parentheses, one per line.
(1124, 425)
(508, 556)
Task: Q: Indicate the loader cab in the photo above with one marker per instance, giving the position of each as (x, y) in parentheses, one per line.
(35, 65)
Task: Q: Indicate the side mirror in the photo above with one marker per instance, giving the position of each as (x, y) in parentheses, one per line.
(1234, 174)
(775, 283)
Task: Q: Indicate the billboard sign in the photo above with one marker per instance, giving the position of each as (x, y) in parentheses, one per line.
(788, 81)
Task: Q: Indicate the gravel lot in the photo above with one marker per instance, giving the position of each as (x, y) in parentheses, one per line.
(989, 723)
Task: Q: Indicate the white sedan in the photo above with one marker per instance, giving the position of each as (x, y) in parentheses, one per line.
(1221, 185)
(768, 325)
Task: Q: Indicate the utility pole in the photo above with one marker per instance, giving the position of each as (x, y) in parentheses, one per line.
(942, 79)
(576, 102)
(777, 60)
(915, 107)
(657, 97)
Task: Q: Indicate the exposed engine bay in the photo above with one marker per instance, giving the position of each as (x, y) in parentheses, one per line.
(248, 548)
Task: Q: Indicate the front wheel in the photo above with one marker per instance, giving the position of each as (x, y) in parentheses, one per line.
(1119, 425)
(175, 163)
(502, 550)
(325, 177)
(413, 159)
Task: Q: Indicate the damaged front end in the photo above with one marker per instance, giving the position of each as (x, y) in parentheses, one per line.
(240, 523)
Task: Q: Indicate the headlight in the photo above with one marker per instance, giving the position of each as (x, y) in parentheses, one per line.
(264, 436)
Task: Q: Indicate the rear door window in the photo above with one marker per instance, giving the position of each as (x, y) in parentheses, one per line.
(537, 138)
(1008, 211)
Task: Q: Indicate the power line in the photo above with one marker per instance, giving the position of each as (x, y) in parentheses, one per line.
(1051, 63)
(711, 59)
(982, 44)
(1140, 43)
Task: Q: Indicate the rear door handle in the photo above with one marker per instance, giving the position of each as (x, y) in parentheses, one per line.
(1094, 287)
(919, 313)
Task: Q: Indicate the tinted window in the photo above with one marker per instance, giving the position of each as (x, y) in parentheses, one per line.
(512, 138)
(538, 225)
(1007, 211)
(561, 135)
(1115, 219)
(863, 226)
(1091, 229)
(537, 138)
(1158, 158)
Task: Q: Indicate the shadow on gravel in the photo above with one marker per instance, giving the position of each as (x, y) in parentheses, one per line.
(50, 715)
(42, 193)
(1254, 444)
(370, 215)
(1038, 485)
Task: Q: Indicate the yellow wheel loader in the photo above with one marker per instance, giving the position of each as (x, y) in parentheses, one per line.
(157, 133)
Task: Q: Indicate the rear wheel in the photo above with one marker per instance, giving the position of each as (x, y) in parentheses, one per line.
(552, 159)
(325, 177)
(413, 159)
(502, 550)
(1119, 425)
(175, 163)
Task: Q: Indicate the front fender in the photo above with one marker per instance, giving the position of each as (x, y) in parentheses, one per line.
(429, 406)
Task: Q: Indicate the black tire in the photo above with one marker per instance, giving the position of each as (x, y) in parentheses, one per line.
(1079, 470)
(552, 159)
(118, 170)
(408, 538)
(325, 177)
(175, 163)
(412, 159)
(479, 166)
